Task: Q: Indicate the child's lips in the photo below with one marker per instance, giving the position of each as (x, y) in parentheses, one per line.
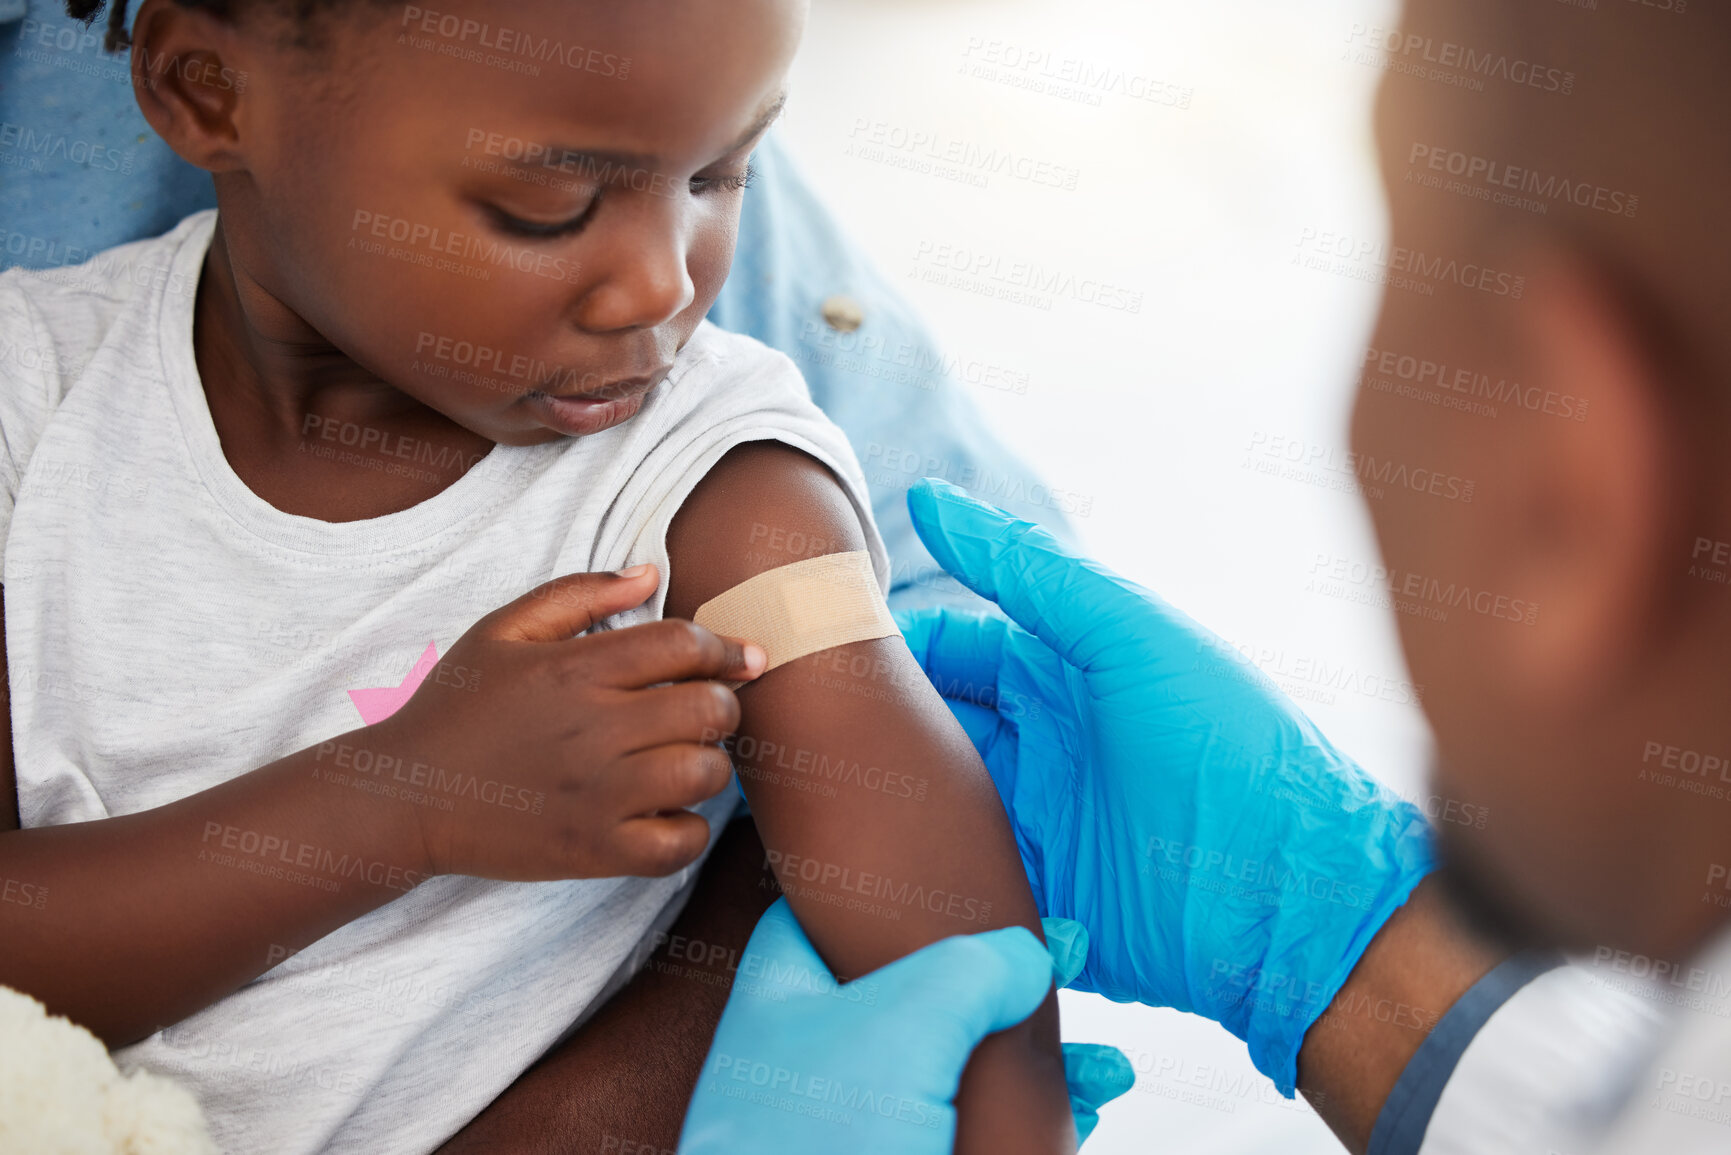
(580, 414)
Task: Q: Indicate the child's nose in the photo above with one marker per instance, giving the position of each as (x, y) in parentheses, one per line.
(637, 277)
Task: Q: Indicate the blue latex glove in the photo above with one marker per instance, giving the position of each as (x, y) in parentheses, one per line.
(802, 1064)
(1224, 858)
(1096, 1073)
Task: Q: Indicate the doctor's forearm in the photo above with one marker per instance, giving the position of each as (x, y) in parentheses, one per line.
(1421, 961)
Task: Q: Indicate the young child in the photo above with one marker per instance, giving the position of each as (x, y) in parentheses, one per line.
(322, 831)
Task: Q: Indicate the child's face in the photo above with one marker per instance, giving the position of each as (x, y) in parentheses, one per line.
(516, 214)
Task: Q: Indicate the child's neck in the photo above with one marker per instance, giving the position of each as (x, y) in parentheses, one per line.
(304, 427)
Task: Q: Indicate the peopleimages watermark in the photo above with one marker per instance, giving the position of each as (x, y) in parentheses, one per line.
(1461, 388)
(17, 892)
(282, 1068)
(1681, 768)
(1362, 474)
(355, 982)
(1269, 883)
(814, 1096)
(51, 475)
(1301, 676)
(1514, 186)
(1070, 78)
(1016, 282)
(477, 363)
(1661, 980)
(66, 45)
(70, 47)
(934, 153)
(881, 894)
(1179, 1078)
(77, 268)
(762, 976)
(1719, 876)
(1696, 1096)
(22, 146)
(274, 856)
(417, 782)
(1413, 594)
(535, 163)
(888, 465)
(498, 46)
(1710, 561)
(1411, 53)
(776, 763)
(445, 250)
(1396, 266)
(903, 361)
(617, 1145)
(43, 359)
(370, 447)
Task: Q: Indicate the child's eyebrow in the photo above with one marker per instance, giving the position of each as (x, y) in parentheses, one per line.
(764, 119)
(540, 156)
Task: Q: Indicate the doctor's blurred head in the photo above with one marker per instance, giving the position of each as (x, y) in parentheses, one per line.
(1564, 168)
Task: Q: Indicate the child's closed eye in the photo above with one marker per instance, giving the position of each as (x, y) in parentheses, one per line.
(541, 230)
(515, 225)
(730, 182)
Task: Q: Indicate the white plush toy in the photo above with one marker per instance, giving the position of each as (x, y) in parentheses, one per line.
(60, 1094)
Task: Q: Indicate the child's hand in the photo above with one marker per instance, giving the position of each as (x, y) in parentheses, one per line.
(551, 757)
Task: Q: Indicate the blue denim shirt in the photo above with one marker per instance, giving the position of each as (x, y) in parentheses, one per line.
(81, 171)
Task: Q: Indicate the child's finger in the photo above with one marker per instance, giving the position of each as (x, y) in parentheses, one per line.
(689, 712)
(673, 650)
(659, 845)
(672, 777)
(566, 606)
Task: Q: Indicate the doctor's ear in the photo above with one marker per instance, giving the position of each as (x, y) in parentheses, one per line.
(189, 74)
(1599, 507)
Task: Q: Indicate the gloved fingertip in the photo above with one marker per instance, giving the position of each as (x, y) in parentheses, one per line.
(1086, 1121)
(779, 937)
(1067, 941)
(1017, 968)
(983, 982)
(922, 502)
(928, 491)
(1097, 1072)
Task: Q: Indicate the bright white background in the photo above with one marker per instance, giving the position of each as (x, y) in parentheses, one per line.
(1157, 415)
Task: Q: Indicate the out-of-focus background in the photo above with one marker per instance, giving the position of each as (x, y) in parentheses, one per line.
(1179, 368)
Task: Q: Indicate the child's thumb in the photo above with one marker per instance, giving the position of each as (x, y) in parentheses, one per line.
(566, 606)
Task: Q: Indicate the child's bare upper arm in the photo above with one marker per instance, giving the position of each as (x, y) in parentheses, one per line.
(881, 821)
(883, 826)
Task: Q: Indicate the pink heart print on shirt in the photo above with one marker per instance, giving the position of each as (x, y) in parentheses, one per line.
(380, 703)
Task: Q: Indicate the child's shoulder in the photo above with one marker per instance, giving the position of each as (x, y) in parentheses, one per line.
(53, 320)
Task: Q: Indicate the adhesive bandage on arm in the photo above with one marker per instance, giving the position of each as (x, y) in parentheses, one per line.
(802, 608)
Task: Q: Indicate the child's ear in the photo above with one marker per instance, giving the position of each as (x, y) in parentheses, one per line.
(189, 85)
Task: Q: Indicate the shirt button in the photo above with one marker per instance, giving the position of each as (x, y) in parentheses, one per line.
(842, 313)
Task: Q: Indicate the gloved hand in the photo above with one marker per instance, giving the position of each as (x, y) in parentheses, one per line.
(1224, 858)
(801, 1063)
